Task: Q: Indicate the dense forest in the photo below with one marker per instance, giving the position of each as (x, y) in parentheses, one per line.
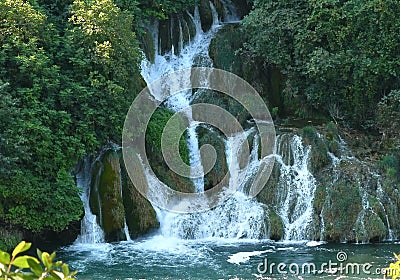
(70, 69)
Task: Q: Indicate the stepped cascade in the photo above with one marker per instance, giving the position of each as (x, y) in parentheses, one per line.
(303, 199)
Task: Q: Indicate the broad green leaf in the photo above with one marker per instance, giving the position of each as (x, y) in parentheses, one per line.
(46, 259)
(65, 269)
(35, 267)
(21, 247)
(39, 253)
(4, 257)
(22, 262)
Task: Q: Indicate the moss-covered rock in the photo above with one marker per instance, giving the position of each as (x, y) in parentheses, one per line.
(267, 80)
(276, 230)
(106, 200)
(341, 212)
(165, 36)
(147, 45)
(139, 213)
(155, 154)
(319, 149)
(220, 169)
(206, 15)
(374, 228)
(243, 7)
(219, 7)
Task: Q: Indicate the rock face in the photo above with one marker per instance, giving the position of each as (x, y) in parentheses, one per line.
(113, 199)
(350, 200)
(105, 196)
(267, 80)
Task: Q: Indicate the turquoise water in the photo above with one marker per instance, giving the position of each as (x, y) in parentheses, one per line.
(158, 257)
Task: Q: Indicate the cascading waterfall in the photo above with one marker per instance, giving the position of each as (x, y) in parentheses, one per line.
(240, 216)
(169, 62)
(381, 196)
(296, 187)
(91, 232)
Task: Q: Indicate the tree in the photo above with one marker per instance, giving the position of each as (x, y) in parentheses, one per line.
(338, 56)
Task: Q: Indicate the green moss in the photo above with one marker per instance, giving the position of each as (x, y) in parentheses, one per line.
(342, 211)
(147, 45)
(319, 198)
(205, 15)
(319, 149)
(140, 215)
(94, 201)
(105, 198)
(375, 227)
(154, 134)
(220, 169)
(276, 231)
(390, 166)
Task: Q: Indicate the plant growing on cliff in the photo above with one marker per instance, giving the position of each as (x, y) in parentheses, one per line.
(16, 267)
(340, 57)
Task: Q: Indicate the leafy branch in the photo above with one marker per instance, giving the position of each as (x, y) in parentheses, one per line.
(15, 267)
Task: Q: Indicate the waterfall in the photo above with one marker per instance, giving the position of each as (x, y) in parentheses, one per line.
(240, 216)
(296, 187)
(91, 232)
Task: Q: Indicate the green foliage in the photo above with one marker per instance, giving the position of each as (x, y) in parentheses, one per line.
(339, 57)
(155, 130)
(388, 120)
(390, 166)
(16, 267)
(161, 9)
(68, 73)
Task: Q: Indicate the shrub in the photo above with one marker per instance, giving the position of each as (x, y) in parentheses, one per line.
(30, 268)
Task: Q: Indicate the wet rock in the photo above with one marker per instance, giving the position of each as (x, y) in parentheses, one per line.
(205, 15)
(105, 199)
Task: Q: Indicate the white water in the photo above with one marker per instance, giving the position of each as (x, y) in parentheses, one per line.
(365, 179)
(296, 188)
(196, 50)
(91, 232)
(239, 216)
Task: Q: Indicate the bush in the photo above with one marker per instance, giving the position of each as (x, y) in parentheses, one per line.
(30, 268)
(390, 166)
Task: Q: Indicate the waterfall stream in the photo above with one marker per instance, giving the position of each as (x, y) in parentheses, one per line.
(91, 232)
(241, 217)
(296, 187)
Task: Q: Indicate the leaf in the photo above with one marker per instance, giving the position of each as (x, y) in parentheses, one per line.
(65, 269)
(57, 274)
(4, 257)
(21, 247)
(23, 276)
(35, 267)
(39, 253)
(22, 262)
(46, 259)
